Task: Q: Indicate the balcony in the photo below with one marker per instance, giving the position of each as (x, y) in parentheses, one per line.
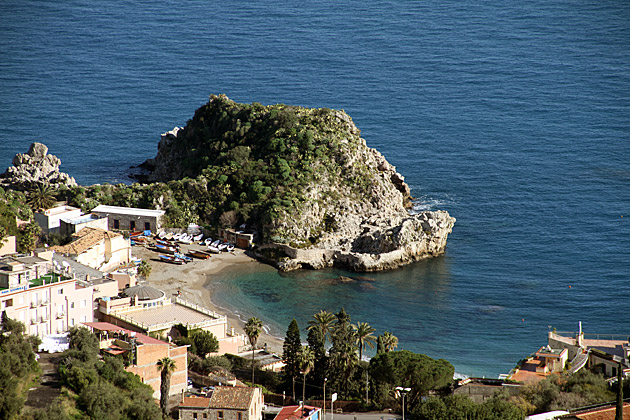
(44, 303)
(34, 321)
(61, 315)
(34, 304)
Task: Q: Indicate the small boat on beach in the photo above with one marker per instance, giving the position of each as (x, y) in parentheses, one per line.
(207, 241)
(199, 254)
(214, 249)
(183, 257)
(197, 238)
(165, 249)
(171, 259)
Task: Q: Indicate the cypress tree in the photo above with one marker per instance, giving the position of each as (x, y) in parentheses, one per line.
(291, 349)
(619, 409)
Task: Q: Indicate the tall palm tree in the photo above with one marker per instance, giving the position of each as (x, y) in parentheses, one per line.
(306, 359)
(364, 336)
(323, 321)
(253, 328)
(390, 341)
(41, 197)
(166, 366)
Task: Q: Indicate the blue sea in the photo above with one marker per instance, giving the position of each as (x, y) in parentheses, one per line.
(513, 116)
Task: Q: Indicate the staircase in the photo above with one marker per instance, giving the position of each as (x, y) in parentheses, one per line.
(578, 362)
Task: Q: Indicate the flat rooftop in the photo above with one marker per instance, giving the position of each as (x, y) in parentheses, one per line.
(173, 313)
(128, 211)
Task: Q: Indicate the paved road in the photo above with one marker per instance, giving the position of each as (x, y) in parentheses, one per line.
(362, 416)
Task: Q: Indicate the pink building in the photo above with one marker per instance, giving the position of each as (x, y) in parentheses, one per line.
(46, 302)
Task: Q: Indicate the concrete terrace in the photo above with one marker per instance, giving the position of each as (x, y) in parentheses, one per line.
(179, 312)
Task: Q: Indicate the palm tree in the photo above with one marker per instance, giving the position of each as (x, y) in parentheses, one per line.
(253, 328)
(306, 359)
(323, 321)
(41, 197)
(390, 341)
(144, 269)
(166, 366)
(363, 332)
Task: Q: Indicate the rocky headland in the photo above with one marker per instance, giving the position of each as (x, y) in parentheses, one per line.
(320, 196)
(35, 167)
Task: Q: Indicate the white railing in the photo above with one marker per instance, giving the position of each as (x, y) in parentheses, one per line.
(199, 308)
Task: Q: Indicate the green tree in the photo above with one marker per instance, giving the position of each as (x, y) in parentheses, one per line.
(410, 370)
(306, 359)
(144, 269)
(619, 405)
(41, 197)
(323, 321)
(253, 328)
(291, 350)
(205, 342)
(364, 336)
(343, 353)
(17, 366)
(166, 366)
(27, 237)
(390, 341)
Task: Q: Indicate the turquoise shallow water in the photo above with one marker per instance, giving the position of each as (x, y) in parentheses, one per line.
(514, 117)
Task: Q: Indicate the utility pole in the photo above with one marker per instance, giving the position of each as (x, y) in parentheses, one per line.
(324, 413)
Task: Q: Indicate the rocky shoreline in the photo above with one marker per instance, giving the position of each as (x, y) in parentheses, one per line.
(318, 197)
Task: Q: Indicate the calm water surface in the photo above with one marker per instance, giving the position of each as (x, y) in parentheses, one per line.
(514, 117)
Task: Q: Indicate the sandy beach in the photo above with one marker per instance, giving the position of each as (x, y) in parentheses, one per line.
(194, 282)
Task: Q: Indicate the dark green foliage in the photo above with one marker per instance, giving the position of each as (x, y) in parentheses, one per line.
(105, 390)
(343, 354)
(563, 393)
(255, 161)
(316, 343)
(201, 342)
(17, 366)
(404, 368)
(460, 407)
(291, 352)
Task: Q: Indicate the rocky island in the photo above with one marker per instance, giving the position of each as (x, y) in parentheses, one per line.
(308, 183)
(302, 179)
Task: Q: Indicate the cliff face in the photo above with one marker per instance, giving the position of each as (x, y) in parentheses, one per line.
(328, 198)
(35, 167)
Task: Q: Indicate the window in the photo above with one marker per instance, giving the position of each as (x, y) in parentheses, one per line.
(83, 303)
(71, 305)
(194, 415)
(132, 225)
(220, 415)
(147, 226)
(205, 415)
(83, 318)
(60, 291)
(116, 224)
(72, 322)
(240, 416)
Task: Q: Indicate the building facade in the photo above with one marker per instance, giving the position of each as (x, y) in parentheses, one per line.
(97, 248)
(131, 219)
(50, 220)
(144, 352)
(225, 403)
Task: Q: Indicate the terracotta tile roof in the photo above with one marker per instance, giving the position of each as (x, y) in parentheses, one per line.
(140, 338)
(85, 239)
(195, 402)
(602, 413)
(295, 412)
(229, 397)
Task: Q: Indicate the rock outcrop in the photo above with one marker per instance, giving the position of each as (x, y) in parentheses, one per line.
(345, 205)
(33, 168)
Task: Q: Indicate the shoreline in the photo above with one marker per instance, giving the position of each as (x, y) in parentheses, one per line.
(194, 281)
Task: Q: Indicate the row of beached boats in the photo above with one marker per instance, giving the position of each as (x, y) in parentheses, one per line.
(170, 250)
